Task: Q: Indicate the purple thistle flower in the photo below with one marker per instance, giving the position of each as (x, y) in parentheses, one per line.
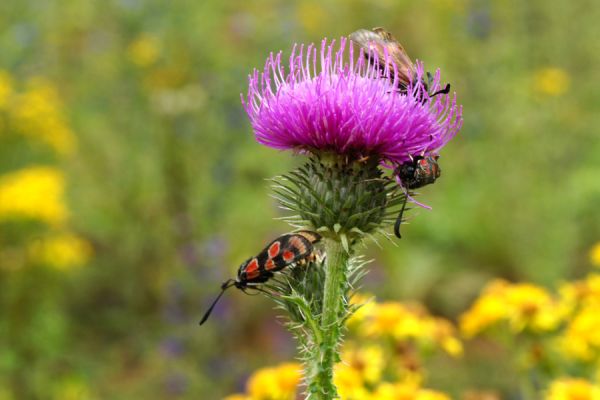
(327, 101)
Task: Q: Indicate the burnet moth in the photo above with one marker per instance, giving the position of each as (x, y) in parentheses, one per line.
(288, 249)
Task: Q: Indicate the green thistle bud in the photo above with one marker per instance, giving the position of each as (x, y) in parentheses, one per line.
(340, 196)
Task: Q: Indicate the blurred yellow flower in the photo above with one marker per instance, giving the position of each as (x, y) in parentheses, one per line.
(581, 338)
(522, 305)
(384, 318)
(368, 361)
(595, 255)
(406, 391)
(349, 383)
(38, 113)
(6, 88)
(367, 305)
(551, 81)
(276, 383)
(62, 251)
(576, 294)
(409, 323)
(35, 192)
(144, 50)
(452, 346)
(428, 394)
(395, 391)
(573, 389)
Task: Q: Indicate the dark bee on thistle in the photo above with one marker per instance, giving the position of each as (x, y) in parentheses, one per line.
(418, 172)
(380, 42)
(292, 248)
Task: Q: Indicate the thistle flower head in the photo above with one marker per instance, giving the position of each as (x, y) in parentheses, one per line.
(327, 101)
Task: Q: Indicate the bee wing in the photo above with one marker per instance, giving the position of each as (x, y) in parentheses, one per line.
(379, 39)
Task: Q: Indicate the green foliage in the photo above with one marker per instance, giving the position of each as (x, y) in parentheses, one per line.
(168, 185)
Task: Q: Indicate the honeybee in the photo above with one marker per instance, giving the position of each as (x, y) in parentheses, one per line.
(379, 41)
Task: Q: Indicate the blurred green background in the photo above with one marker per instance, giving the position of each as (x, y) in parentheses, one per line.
(126, 115)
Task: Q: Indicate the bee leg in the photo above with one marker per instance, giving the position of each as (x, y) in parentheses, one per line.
(445, 90)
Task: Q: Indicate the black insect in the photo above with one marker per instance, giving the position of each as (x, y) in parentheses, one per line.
(379, 42)
(413, 174)
(291, 248)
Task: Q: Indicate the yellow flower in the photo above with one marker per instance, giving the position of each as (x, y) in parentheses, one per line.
(349, 383)
(38, 114)
(6, 88)
(367, 305)
(413, 326)
(144, 50)
(408, 323)
(406, 391)
(368, 361)
(576, 294)
(532, 306)
(595, 255)
(581, 338)
(572, 389)
(384, 319)
(395, 391)
(452, 346)
(63, 251)
(522, 305)
(34, 192)
(276, 383)
(487, 310)
(428, 394)
(551, 81)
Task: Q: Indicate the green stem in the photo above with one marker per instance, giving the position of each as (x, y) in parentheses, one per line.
(324, 358)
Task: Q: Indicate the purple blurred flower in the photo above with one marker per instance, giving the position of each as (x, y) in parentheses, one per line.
(176, 384)
(172, 347)
(327, 101)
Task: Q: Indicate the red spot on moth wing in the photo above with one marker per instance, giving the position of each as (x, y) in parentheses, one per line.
(288, 256)
(298, 244)
(251, 266)
(270, 264)
(252, 274)
(274, 249)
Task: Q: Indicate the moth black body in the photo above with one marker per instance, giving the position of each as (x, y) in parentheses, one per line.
(288, 249)
(418, 172)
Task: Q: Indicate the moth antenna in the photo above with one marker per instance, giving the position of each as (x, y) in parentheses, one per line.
(226, 285)
(399, 219)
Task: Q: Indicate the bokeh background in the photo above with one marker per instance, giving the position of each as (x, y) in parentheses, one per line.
(131, 185)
